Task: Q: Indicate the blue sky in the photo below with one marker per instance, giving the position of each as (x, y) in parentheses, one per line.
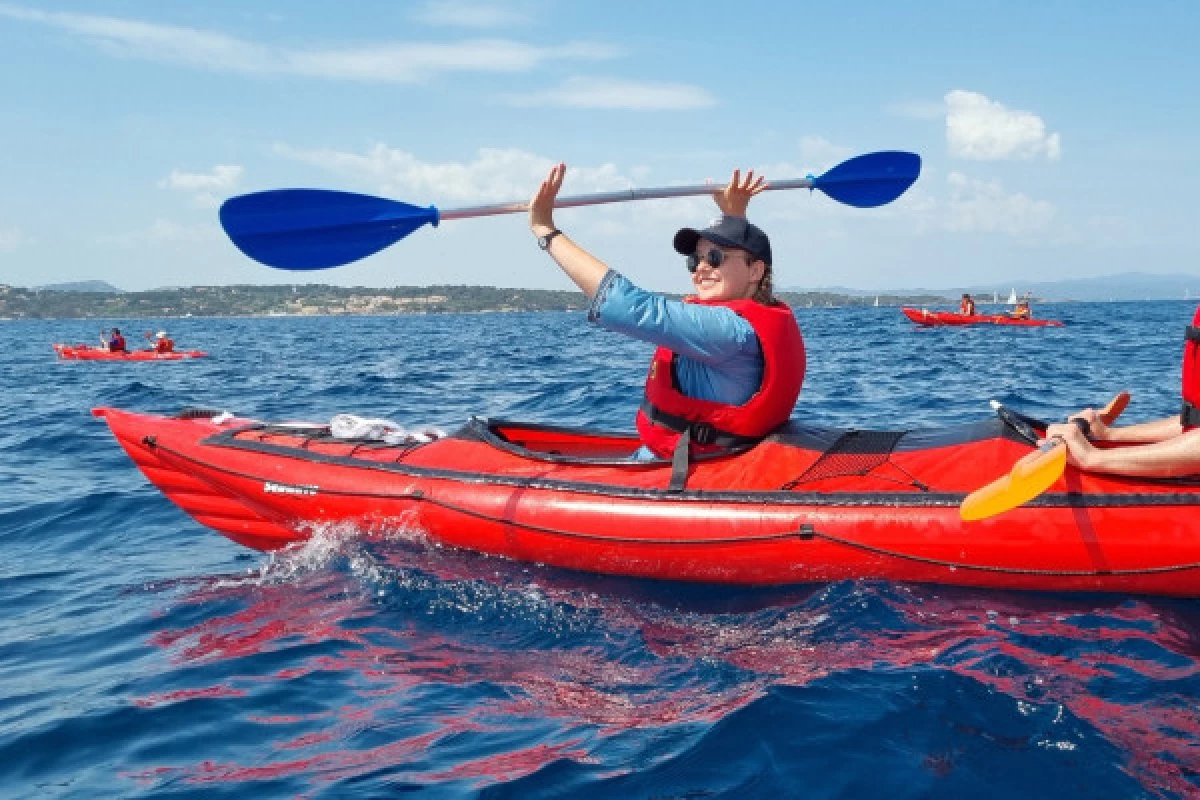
(1059, 138)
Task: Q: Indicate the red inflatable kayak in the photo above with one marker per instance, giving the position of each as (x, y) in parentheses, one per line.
(922, 316)
(83, 352)
(807, 504)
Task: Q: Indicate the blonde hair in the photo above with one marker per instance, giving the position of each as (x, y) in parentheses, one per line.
(765, 293)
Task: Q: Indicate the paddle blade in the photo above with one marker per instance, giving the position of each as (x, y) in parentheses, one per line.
(870, 180)
(1029, 477)
(303, 229)
(1115, 408)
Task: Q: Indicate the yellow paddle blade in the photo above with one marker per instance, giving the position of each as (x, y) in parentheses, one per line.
(1032, 475)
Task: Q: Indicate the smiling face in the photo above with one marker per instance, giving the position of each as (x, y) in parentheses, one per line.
(736, 278)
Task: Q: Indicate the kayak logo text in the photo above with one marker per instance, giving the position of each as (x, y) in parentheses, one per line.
(283, 488)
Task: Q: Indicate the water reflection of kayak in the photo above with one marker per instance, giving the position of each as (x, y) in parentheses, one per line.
(83, 352)
(807, 504)
(922, 316)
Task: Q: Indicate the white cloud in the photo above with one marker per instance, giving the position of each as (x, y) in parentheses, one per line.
(387, 63)
(981, 129)
(208, 189)
(10, 239)
(495, 175)
(456, 13)
(976, 205)
(614, 94)
(223, 176)
(413, 63)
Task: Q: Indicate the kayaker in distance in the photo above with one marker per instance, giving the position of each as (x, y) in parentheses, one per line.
(163, 343)
(1022, 311)
(115, 342)
(1164, 448)
(730, 360)
(967, 305)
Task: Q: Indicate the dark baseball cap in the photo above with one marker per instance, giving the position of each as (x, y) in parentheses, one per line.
(734, 232)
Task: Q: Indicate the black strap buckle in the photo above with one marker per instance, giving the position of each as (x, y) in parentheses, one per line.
(703, 433)
(1189, 415)
(1192, 333)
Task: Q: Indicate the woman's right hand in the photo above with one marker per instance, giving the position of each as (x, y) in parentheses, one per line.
(541, 207)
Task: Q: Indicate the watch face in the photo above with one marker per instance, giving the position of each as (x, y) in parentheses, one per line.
(543, 242)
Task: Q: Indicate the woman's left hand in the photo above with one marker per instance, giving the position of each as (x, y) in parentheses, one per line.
(734, 199)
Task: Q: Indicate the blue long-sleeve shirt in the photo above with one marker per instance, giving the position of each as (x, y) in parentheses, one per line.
(719, 357)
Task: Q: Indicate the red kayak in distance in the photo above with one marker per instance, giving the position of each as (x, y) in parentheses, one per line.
(83, 352)
(923, 316)
(807, 504)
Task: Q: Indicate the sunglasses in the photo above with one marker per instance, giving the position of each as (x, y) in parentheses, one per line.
(714, 258)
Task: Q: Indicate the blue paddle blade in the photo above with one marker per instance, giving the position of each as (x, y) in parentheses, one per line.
(302, 229)
(870, 180)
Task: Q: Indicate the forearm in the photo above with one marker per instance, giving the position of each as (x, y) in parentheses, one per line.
(702, 333)
(1155, 431)
(581, 266)
(1169, 458)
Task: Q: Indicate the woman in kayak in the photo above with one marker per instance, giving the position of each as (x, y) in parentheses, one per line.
(1164, 448)
(730, 360)
(116, 342)
(967, 305)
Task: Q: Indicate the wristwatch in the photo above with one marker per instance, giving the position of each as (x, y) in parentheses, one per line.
(544, 241)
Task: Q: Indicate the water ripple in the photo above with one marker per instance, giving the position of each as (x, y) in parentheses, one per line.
(141, 654)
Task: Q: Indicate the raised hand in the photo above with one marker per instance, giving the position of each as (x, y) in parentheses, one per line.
(735, 197)
(541, 207)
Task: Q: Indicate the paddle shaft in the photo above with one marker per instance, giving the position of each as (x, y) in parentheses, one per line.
(623, 196)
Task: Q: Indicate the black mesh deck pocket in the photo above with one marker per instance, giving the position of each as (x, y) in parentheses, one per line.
(854, 453)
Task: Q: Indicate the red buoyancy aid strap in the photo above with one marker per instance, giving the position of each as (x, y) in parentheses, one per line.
(669, 412)
(1189, 415)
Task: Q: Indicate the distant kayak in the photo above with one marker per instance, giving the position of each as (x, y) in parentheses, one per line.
(83, 352)
(922, 316)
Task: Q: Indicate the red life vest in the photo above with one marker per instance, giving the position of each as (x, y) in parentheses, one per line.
(116, 344)
(666, 412)
(1189, 416)
(164, 345)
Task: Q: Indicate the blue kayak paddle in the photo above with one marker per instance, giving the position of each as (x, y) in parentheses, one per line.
(301, 229)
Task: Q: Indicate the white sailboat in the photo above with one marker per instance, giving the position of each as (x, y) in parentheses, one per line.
(1012, 297)
(995, 299)
(877, 301)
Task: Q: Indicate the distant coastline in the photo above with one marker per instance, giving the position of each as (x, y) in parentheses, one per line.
(100, 300)
(323, 300)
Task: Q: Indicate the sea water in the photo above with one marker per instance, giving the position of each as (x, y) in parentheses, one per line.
(144, 655)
